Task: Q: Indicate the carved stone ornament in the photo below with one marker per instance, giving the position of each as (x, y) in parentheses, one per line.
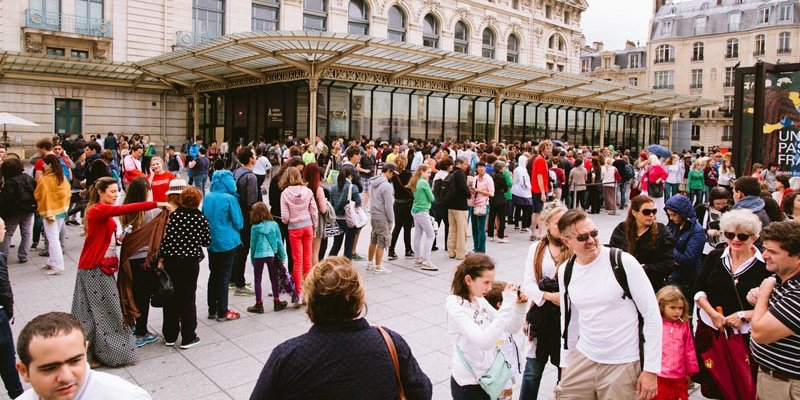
(33, 43)
(489, 20)
(429, 6)
(460, 14)
(100, 51)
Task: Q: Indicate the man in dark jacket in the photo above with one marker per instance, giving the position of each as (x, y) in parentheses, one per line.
(110, 143)
(247, 188)
(17, 206)
(497, 203)
(7, 360)
(689, 241)
(746, 192)
(457, 210)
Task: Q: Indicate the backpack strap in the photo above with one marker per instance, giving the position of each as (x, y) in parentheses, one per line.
(567, 304)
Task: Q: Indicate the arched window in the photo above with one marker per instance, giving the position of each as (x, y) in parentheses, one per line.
(397, 25)
(557, 42)
(461, 39)
(315, 15)
(430, 31)
(358, 17)
(697, 51)
(512, 53)
(665, 53)
(732, 48)
(487, 49)
(760, 45)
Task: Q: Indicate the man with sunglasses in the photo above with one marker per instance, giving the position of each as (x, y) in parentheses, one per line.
(604, 361)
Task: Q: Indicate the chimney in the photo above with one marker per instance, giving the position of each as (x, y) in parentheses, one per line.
(629, 44)
(598, 46)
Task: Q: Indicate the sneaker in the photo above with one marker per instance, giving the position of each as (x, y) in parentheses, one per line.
(169, 344)
(392, 256)
(524, 230)
(409, 254)
(370, 267)
(516, 228)
(212, 315)
(244, 292)
(53, 272)
(381, 270)
(44, 253)
(34, 245)
(503, 240)
(279, 305)
(23, 260)
(357, 257)
(427, 265)
(298, 304)
(258, 308)
(434, 248)
(72, 222)
(146, 339)
(193, 343)
(232, 286)
(491, 238)
(229, 316)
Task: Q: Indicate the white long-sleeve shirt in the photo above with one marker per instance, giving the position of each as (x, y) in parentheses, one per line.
(521, 180)
(607, 328)
(531, 287)
(476, 330)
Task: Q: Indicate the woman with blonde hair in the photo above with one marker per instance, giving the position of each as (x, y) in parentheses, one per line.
(299, 213)
(159, 179)
(540, 284)
(336, 301)
(420, 212)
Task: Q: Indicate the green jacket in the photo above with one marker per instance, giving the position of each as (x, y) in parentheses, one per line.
(507, 175)
(423, 197)
(265, 241)
(696, 180)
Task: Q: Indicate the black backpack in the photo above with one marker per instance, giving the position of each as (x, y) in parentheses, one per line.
(441, 188)
(622, 279)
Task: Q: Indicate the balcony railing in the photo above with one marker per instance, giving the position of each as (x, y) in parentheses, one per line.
(663, 87)
(784, 51)
(696, 86)
(53, 21)
(186, 38)
(664, 60)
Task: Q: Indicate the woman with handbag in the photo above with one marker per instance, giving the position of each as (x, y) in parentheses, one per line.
(540, 284)
(653, 180)
(342, 193)
(96, 300)
(479, 369)
(299, 213)
(135, 250)
(723, 310)
(481, 190)
(311, 174)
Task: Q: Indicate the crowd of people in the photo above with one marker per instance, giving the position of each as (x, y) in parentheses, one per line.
(640, 317)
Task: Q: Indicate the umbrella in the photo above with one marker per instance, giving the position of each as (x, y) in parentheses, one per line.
(659, 150)
(11, 119)
(558, 143)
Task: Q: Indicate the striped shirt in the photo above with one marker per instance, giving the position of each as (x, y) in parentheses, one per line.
(782, 355)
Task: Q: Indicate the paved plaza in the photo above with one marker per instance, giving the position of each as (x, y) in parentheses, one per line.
(228, 361)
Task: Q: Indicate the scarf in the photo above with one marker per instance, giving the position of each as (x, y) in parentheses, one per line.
(52, 198)
(149, 235)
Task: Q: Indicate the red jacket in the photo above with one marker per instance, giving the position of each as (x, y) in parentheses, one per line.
(101, 225)
(678, 357)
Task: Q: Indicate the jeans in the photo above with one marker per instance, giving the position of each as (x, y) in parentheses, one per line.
(240, 261)
(52, 232)
(402, 215)
(180, 314)
(497, 215)
(301, 239)
(423, 234)
(8, 370)
(624, 188)
(144, 286)
(479, 233)
(696, 196)
(671, 189)
(531, 378)
(200, 182)
(220, 266)
(468, 392)
(348, 236)
(24, 222)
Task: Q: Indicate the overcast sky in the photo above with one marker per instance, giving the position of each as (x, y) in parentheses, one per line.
(614, 21)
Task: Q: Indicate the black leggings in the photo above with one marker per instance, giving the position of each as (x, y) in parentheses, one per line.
(497, 213)
(402, 220)
(522, 213)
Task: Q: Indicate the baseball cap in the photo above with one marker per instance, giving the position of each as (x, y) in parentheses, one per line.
(390, 166)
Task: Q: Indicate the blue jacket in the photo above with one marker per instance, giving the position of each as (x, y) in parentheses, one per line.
(266, 241)
(689, 240)
(221, 207)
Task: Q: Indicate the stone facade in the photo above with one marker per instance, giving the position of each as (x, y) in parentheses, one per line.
(627, 66)
(695, 46)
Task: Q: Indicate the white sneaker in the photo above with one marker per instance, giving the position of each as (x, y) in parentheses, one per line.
(491, 239)
(381, 270)
(503, 240)
(370, 267)
(427, 265)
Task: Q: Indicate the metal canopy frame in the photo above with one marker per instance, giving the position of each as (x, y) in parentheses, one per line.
(250, 59)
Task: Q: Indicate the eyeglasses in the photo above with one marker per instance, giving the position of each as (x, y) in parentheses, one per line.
(585, 236)
(741, 236)
(648, 211)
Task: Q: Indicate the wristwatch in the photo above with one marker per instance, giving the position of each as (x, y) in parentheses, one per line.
(740, 314)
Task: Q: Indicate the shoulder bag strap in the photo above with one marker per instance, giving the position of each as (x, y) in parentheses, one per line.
(567, 302)
(350, 193)
(393, 352)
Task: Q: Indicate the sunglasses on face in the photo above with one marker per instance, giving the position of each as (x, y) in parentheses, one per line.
(648, 211)
(741, 236)
(585, 236)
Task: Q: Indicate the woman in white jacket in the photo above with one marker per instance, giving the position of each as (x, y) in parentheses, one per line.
(521, 196)
(476, 325)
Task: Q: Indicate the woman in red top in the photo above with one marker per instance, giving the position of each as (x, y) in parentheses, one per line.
(159, 179)
(655, 175)
(96, 300)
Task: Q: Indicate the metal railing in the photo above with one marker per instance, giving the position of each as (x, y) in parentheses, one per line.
(53, 21)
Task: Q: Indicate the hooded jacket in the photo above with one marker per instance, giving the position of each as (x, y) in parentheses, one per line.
(754, 204)
(266, 241)
(299, 207)
(381, 206)
(678, 356)
(221, 208)
(521, 181)
(689, 240)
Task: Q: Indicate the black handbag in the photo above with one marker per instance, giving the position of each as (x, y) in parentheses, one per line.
(164, 289)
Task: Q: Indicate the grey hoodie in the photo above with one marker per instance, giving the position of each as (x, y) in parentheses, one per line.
(381, 204)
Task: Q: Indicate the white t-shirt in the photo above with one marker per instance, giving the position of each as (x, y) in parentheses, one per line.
(606, 325)
(531, 287)
(261, 166)
(101, 385)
